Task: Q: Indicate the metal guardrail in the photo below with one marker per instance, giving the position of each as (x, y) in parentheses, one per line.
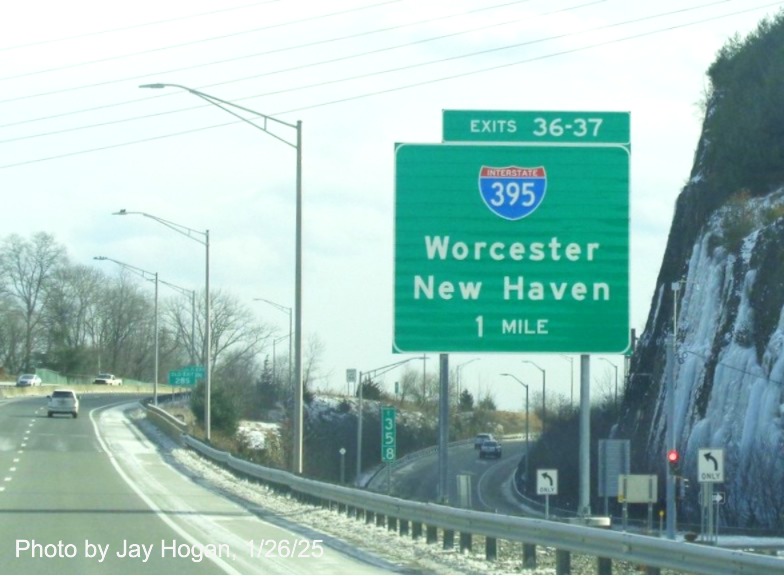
(639, 549)
(172, 426)
(644, 550)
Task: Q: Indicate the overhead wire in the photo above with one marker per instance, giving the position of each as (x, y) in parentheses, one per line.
(402, 87)
(264, 53)
(450, 58)
(199, 41)
(518, 62)
(299, 67)
(133, 26)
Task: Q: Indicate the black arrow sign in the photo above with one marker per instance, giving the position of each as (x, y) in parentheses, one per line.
(546, 476)
(709, 458)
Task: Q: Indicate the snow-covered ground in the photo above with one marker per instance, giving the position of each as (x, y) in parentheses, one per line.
(413, 556)
(254, 434)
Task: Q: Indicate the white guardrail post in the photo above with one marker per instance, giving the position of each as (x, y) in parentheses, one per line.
(567, 539)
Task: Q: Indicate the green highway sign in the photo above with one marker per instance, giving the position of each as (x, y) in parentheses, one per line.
(186, 376)
(511, 248)
(546, 127)
(388, 434)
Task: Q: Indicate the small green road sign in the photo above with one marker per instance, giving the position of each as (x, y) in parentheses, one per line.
(546, 127)
(511, 248)
(388, 434)
(186, 376)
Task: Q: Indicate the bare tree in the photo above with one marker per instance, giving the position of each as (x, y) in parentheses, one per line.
(25, 269)
(313, 355)
(11, 334)
(181, 318)
(124, 313)
(419, 387)
(235, 329)
(69, 315)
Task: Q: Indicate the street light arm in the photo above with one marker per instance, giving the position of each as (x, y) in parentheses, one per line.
(466, 363)
(534, 364)
(384, 369)
(516, 378)
(297, 379)
(179, 228)
(226, 106)
(280, 307)
(281, 338)
(180, 289)
(150, 276)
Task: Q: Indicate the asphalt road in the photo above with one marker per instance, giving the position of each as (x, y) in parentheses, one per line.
(489, 479)
(93, 496)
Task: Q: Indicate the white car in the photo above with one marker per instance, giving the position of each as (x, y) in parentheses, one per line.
(28, 380)
(63, 402)
(108, 379)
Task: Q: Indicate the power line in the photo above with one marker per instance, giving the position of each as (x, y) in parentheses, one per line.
(133, 26)
(374, 73)
(518, 62)
(402, 87)
(707, 359)
(253, 55)
(460, 56)
(192, 42)
(333, 60)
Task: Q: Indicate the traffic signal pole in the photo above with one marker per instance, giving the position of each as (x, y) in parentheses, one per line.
(671, 362)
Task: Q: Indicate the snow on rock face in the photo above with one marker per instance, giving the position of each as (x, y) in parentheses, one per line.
(729, 367)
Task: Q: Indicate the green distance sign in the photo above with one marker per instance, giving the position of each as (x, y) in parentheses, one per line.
(388, 434)
(186, 376)
(511, 248)
(545, 127)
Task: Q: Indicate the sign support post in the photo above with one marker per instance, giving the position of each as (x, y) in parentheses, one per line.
(710, 471)
(547, 485)
(513, 236)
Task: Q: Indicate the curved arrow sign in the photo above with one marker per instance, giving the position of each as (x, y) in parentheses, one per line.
(547, 482)
(710, 465)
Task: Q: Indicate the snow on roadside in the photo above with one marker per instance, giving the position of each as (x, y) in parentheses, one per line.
(254, 434)
(413, 556)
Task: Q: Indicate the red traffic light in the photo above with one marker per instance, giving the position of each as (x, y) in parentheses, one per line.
(674, 460)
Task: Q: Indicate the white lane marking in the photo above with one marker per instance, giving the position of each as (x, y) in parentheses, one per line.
(7, 479)
(12, 469)
(483, 476)
(223, 565)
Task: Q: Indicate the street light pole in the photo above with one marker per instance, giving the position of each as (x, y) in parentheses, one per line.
(192, 294)
(544, 388)
(229, 107)
(527, 450)
(672, 520)
(286, 310)
(615, 397)
(372, 374)
(191, 233)
(458, 369)
(571, 379)
(274, 342)
(144, 274)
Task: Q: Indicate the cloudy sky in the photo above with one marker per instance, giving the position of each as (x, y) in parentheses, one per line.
(79, 140)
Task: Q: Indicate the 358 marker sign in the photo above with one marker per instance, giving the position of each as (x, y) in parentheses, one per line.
(388, 434)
